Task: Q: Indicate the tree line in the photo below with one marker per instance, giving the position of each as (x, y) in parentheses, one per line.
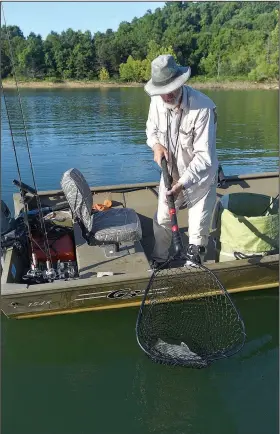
(217, 39)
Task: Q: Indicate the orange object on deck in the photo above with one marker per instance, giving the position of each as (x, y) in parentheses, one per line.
(62, 248)
(108, 203)
(102, 206)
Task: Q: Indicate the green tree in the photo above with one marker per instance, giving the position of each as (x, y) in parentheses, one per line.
(31, 59)
(103, 74)
(81, 58)
(12, 44)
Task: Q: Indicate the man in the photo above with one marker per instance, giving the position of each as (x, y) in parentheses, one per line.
(181, 126)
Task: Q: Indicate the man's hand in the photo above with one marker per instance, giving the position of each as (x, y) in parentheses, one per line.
(175, 190)
(159, 152)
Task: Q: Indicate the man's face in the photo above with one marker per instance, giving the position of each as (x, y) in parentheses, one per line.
(172, 97)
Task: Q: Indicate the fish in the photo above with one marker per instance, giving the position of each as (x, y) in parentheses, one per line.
(180, 352)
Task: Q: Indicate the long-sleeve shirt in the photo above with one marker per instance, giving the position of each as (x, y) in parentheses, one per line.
(196, 155)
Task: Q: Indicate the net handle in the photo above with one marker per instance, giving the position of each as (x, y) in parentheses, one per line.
(177, 242)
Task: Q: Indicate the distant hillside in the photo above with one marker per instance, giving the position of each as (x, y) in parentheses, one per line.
(217, 39)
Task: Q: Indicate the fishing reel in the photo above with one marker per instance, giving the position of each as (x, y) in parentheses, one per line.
(66, 270)
(16, 239)
(37, 275)
(49, 275)
(34, 275)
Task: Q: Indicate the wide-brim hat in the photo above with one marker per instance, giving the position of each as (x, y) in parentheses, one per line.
(167, 76)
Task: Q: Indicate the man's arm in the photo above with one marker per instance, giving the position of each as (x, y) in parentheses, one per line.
(151, 128)
(152, 137)
(204, 148)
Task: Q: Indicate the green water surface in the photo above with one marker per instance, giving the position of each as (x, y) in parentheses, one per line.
(84, 373)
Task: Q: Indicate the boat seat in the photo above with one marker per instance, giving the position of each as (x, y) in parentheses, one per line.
(113, 226)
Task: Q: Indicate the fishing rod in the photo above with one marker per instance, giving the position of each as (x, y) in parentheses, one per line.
(34, 274)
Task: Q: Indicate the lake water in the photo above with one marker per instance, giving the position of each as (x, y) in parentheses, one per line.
(102, 133)
(84, 373)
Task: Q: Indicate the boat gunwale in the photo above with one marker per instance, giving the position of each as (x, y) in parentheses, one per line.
(120, 305)
(154, 184)
(61, 286)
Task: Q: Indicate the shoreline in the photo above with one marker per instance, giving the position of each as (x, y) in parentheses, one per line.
(237, 85)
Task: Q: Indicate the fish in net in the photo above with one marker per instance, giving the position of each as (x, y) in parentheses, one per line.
(187, 317)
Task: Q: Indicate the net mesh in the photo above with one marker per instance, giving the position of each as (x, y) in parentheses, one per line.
(187, 318)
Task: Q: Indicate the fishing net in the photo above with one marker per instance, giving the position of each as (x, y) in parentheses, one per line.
(187, 318)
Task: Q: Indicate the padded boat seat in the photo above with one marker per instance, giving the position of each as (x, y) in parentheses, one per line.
(116, 225)
(112, 226)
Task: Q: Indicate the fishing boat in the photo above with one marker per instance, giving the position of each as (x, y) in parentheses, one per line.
(57, 261)
(111, 271)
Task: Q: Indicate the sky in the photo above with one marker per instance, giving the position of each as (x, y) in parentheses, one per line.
(44, 17)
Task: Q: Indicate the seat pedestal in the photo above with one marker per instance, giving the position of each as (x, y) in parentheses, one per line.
(93, 259)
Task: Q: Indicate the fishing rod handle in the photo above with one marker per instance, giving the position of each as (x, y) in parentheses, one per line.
(167, 178)
(24, 187)
(172, 210)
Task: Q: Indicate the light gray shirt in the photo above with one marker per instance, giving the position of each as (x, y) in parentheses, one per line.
(196, 157)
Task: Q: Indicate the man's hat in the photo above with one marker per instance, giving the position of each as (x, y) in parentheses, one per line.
(167, 76)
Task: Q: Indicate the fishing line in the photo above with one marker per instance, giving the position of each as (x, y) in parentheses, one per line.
(41, 218)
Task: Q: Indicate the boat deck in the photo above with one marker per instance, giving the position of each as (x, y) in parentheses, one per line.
(143, 199)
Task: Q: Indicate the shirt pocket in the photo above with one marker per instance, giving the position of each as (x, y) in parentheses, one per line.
(186, 138)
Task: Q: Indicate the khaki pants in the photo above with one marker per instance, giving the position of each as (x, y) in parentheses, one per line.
(200, 216)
